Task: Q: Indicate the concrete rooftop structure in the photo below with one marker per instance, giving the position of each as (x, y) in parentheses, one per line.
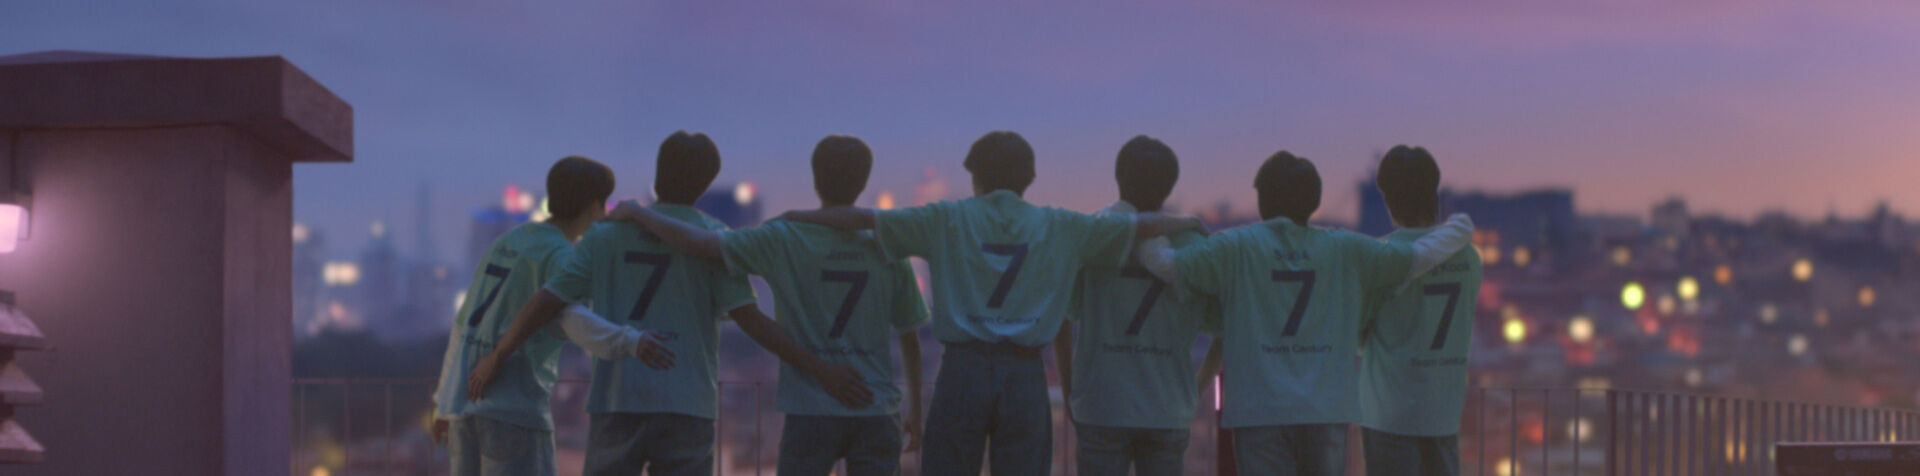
(157, 261)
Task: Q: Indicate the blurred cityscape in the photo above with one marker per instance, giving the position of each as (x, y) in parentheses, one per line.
(1817, 310)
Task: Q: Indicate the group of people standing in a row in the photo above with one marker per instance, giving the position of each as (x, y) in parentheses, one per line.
(1290, 306)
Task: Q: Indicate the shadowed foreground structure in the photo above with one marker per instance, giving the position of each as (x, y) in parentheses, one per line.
(157, 262)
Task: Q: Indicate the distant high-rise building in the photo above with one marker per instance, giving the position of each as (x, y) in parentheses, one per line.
(423, 249)
(492, 221)
(737, 206)
(1670, 218)
(428, 307)
(380, 278)
(1375, 220)
(1542, 221)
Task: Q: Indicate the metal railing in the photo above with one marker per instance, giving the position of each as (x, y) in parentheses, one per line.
(378, 426)
(1549, 431)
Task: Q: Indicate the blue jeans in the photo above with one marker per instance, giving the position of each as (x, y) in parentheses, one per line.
(480, 446)
(989, 394)
(1390, 454)
(1148, 451)
(1286, 450)
(664, 444)
(810, 444)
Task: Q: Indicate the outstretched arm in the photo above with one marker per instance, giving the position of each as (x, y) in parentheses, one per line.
(1434, 248)
(1157, 256)
(537, 313)
(608, 341)
(839, 380)
(1152, 224)
(845, 218)
(694, 241)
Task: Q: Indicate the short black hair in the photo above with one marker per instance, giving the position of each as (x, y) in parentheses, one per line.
(1146, 171)
(574, 184)
(1001, 160)
(1289, 187)
(1409, 180)
(841, 165)
(685, 167)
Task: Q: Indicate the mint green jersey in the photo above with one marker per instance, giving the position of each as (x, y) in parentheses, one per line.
(1292, 299)
(1132, 357)
(508, 276)
(1002, 270)
(629, 276)
(1413, 378)
(835, 294)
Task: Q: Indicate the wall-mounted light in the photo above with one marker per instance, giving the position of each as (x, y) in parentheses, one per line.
(13, 218)
(15, 196)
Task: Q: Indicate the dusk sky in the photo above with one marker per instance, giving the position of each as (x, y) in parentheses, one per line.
(1738, 105)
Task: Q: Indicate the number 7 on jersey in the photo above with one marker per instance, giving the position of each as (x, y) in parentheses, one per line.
(660, 263)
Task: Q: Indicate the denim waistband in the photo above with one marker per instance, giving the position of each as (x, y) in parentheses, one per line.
(996, 348)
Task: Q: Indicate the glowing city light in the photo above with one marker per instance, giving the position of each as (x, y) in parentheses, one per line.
(1866, 296)
(1580, 429)
(542, 212)
(378, 229)
(1522, 256)
(1490, 255)
(1769, 313)
(340, 273)
(1688, 288)
(885, 202)
(1694, 377)
(743, 193)
(301, 233)
(1633, 296)
(1515, 331)
(1666, 304)
(1580, 329)
(510, 198)
(1821, 317)
(1723, 275)
(1504, 467)
(320, 471)
(1802, 270)
(1797, 345)
(1622, 255)
(523, 203)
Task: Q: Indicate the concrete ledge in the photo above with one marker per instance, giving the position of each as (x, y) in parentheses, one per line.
(265, 96)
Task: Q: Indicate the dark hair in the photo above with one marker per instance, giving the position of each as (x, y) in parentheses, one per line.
(1409, 180)
(1001, 160)
(686, 166)
(840, 168)
(574, 184)
(1289, 187)
(1146, 171)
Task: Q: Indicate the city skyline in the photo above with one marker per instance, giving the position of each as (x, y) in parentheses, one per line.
(450, 241)
(1740, 106)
